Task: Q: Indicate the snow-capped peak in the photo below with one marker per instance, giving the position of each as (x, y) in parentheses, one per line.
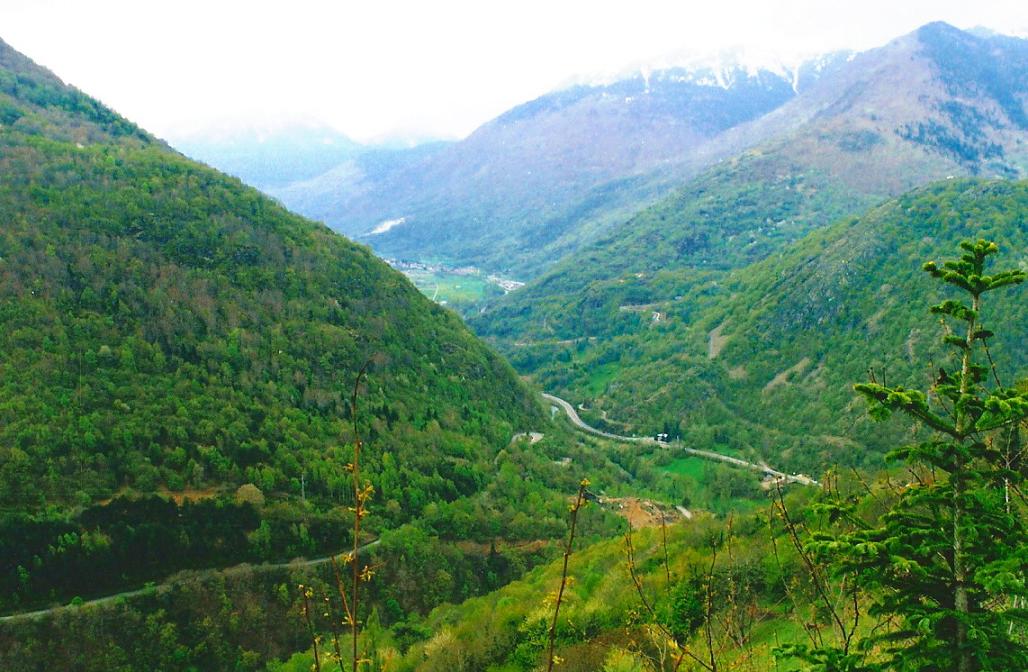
(723, 68)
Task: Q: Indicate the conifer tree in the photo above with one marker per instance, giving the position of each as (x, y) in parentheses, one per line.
(946, 564)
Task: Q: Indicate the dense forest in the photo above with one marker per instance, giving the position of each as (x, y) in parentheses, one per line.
(169, 331)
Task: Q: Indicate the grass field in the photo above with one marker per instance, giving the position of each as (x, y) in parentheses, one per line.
(692, 467)
(599, 377)
(457, 291)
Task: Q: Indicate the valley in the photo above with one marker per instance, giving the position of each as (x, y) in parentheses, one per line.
(463, 289)
(714, 364)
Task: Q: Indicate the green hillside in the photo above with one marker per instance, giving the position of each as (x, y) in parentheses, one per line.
(507, 629)
(189, 331)
(165, 325)
(733, 215)
(167, 330)
(761, 358)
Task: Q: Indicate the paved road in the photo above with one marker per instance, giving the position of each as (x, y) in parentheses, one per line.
(575, 420)
(706, 454)
(27, 615)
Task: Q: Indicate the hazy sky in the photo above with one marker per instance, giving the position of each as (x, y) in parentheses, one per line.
(377, 68)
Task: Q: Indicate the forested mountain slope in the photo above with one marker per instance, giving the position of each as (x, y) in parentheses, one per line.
(164, 324)
(844, 145)
(763, 357)
(167, 330)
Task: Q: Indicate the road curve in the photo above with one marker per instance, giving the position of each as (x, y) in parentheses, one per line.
(706, 454)
(579, 423)
(268, 567)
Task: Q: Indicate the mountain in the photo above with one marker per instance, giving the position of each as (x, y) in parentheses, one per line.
(168, 330)
(552, 176)
(762, 358)
(937, 99)
(270, 158)
(934, 104)
(342, 187)
(37, 103)
(553, 173)
(311, 168)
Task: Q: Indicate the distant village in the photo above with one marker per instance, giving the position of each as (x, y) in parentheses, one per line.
(404, 266)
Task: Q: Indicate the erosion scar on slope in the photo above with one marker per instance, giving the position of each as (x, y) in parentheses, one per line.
(717, 341)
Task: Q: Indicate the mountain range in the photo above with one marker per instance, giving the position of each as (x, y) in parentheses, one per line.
(936, 104)
(615, 197)
(571, 168)
(547, 175)
(270, 158)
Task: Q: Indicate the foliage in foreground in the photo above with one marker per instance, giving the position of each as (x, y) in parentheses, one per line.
(945, 565)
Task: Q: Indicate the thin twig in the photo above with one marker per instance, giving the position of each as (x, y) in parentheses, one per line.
(360, 495)
(637, 582)
(992, 364)
(335, 633)
(346, 603)
(708, 609)
(307, 593)
(865, 484)
(579, 501)
(785, 583)
(815, 574)
(667, 564)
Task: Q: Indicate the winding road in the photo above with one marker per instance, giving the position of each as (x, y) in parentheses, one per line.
(706, 454)
(192, 574)
(557, 401)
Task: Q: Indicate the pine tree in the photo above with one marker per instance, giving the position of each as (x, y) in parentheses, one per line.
(947, 563)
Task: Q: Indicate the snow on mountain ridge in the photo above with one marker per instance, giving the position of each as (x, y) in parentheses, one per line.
(724, 68)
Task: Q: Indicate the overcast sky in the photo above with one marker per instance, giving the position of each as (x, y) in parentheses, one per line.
(385, 68)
